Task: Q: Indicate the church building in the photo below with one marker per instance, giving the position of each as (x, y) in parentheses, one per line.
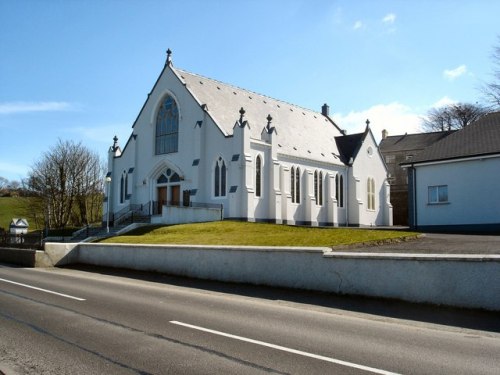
(203, 150)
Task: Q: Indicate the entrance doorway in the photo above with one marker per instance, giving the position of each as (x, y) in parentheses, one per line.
(162, 198)
(175, 195)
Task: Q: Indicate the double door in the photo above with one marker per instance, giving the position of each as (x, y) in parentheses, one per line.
(169, 195)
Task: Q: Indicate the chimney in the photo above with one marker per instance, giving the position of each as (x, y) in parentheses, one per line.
(325, 110)
(385, 133)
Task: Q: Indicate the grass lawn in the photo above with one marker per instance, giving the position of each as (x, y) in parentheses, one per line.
(254, 234)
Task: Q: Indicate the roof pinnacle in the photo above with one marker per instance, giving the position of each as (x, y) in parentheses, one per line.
(169, 57)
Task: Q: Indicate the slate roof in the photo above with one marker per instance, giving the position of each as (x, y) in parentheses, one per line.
(349, 145)
(480, 138)
(411, 142)
(300, 132)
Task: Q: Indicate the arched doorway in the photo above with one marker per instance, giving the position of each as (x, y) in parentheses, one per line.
(168, 190)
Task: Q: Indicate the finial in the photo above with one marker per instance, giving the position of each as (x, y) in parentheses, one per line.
(269, 128)
(367, 122)
(115, 143)
(169, 56)
(269, 119)
(242, 113)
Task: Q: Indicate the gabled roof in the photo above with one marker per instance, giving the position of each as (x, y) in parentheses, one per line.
(19, 223)
(480, 138)
(349, 145)
(300, 132)
(411, 142)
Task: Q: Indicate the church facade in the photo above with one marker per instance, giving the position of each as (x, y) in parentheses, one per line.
(204, 150)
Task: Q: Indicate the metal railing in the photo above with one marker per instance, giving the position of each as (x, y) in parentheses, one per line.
(32, 240)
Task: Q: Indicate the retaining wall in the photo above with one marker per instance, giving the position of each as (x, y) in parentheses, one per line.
(471, 281)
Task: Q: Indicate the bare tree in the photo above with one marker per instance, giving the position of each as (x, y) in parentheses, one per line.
(452, 116)
(66, 178)
(492, 90)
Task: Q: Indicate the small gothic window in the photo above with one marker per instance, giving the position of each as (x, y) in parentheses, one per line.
(370, 188)
(162, 179)
(167, 127)
(258, 173)
(318, 188)
(295, 184)
(339, 190)
(220, 178)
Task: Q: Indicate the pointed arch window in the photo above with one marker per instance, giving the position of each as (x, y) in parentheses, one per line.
(295, 184)
(258, 176)
(370, 189)
(318, 187)
(220, 173)
(167, 127)
(339, 190)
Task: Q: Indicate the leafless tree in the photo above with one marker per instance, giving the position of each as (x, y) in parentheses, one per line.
(68, 178)
(452, 117)
(492, 90)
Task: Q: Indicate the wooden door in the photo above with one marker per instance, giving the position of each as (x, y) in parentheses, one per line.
(175, 195)
(162, 198)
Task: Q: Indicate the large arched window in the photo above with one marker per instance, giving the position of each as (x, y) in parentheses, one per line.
(258, 176)
(370, 190)
(220, 178)
(167, 127)
(295, 184)
(339, 190)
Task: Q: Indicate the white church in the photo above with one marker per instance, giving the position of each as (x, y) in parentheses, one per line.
(202, 150)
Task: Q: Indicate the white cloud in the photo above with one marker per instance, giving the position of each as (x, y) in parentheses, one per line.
(24, 107)
(357, 25)
(443, 102)
(389, 18)
(452, 74)
(395, 117)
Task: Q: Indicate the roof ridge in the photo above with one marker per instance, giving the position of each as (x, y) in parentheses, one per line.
(248, 91)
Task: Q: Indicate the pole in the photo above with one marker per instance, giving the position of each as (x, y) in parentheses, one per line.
(108, 183)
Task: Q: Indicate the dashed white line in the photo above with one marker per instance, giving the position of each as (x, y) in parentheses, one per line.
(285, 349)
(42, 290)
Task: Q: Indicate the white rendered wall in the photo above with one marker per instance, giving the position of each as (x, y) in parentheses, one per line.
(473, 192)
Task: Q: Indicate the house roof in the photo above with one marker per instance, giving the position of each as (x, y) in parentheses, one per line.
(300, 132)
(411, 142)
(19, 223)
(480, 138)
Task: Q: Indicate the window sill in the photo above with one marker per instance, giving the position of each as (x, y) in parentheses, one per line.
(438, 204)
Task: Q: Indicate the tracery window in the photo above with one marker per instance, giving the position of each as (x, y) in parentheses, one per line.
(220, 178)
(258, 176)
(370, 188)
(167, 127)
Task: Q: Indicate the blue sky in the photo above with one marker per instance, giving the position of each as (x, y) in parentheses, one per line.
(82, 69)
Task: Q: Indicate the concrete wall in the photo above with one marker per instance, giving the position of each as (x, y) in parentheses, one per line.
(457, 280)
(20, 257)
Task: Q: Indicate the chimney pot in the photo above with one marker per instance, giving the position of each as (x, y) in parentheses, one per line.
(325, 110)
(385, 133)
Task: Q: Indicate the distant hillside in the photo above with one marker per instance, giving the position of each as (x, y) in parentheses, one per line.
(19, 207)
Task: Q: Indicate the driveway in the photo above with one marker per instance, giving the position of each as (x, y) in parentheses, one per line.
(437, 243)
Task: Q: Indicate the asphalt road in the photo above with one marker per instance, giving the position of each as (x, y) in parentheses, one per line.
(97, 321)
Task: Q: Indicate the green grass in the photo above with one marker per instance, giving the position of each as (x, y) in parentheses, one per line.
(15, 207)
(254, 234)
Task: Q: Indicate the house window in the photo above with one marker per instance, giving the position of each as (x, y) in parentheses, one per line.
(167, 127)
(220, 178)
(295, 184)
(258, 174)
(390, 159)
(370, 189)
(318, 188)
(438, 194)
(339, 190)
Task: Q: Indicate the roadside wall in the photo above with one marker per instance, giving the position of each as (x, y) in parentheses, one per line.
(19, 257)
(457, 280)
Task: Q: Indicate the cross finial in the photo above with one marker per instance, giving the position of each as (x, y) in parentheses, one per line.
(169, 56)
(242, 113)
(115, 143)
(367, 122)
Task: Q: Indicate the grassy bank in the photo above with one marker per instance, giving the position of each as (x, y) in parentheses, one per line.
(254, 234)
(15, 207)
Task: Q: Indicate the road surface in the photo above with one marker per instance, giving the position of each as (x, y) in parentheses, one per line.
(74, 321)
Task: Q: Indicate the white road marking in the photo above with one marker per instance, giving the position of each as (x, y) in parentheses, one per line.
(42, 290)
(285, 349)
